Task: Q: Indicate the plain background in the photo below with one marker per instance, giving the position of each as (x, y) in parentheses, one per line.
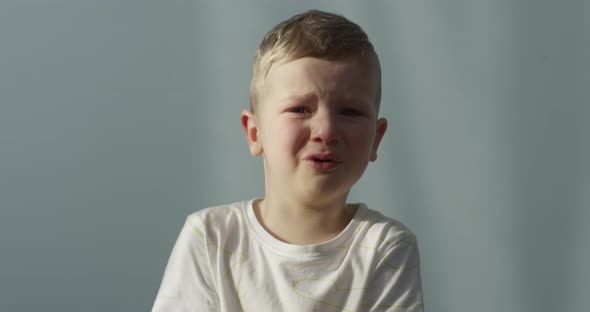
(119, 118)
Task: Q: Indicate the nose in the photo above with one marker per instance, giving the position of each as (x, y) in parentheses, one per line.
(323, 128)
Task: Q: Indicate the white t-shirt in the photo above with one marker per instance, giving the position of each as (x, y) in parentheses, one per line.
(224, 260)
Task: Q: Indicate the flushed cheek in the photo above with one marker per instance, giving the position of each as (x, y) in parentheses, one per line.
(283, 144)
(293, 137)
(360, 140)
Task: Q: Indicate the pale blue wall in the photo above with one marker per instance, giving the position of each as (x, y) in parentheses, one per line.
(119, 118)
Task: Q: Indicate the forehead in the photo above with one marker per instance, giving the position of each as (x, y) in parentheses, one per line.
(351, 78)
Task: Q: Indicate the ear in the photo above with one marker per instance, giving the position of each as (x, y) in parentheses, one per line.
(248, 120)
(381, 128)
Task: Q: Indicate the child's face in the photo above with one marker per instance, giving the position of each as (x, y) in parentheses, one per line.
(316, 126)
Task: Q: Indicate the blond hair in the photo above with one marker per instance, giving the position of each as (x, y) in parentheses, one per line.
(311, 34)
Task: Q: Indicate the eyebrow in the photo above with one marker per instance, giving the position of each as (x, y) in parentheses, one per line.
(302, 98)
(298, 98)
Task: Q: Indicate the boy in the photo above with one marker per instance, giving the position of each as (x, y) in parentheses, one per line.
(314, 98)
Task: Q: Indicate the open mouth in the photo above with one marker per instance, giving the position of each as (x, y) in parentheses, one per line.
(322, 162)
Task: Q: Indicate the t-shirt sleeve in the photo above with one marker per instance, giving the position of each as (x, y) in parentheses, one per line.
(396, 284)
(187, 285)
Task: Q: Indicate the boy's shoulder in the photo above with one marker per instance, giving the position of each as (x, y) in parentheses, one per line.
(220, 223)
(370, 226)
(219, 216)
(389, 232)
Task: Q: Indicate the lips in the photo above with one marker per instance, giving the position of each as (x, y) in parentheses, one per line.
(322, 161)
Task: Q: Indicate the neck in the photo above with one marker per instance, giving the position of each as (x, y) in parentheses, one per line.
(301, 223)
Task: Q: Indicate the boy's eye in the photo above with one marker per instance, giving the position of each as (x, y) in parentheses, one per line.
(299, 110)
(351, 112)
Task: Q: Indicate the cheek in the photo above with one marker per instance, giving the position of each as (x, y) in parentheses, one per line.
(361, 138)
(290, 135)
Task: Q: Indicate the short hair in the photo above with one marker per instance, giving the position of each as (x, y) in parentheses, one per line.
(311, 34)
